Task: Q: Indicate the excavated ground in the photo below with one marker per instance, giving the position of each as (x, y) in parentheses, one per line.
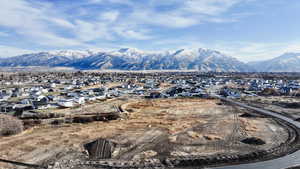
(150, 129)
(287, 106)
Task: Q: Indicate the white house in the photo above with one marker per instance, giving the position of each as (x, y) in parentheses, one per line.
(66, 103)
(79, 100)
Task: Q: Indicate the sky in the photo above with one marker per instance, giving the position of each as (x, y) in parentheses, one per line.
(249, 30)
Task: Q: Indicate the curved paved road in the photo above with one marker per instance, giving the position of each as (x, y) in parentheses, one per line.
(279, 163)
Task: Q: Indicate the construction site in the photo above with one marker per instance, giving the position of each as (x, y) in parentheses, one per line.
(132, 132)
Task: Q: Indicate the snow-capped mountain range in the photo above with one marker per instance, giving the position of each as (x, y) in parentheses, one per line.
(288, 62)
(134, 59)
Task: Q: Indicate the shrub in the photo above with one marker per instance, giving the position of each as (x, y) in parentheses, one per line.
(31, 123)
(269, 92)
(10, 125)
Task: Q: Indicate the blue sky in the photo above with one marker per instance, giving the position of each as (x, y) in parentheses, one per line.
(246, 29)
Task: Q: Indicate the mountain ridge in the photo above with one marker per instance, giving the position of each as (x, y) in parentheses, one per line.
(287, 62)
(133, 59)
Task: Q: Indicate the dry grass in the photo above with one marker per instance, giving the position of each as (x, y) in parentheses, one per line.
(10, 125)
(172, 115)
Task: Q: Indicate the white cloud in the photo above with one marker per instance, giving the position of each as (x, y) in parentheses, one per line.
(254, 51)
(178, 43)
(42, 23)
(133, 34)
(170, 19)
(88, 31)
(183, 14)
(8, 51)
(62, 22)
(17, 13)
(208, 7)
(32, 21)
(294, 47)
(244, 51)
(27, 18)
(127, 2)
(110, 16)
(52, 40)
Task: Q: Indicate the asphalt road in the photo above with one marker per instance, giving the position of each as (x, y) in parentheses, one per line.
(279, 163)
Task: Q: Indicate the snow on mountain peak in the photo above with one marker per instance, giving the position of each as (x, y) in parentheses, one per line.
(132, 59)
(71, 54)
(130, 51)
(288, 62)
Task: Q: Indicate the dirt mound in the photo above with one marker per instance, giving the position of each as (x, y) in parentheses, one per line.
(83, 119)
(91, 118)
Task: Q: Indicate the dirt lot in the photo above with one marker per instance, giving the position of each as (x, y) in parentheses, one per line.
(289, 106)
(149, 129)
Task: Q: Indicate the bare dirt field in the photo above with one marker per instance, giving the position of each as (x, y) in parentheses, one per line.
(149, 129)
(288, 106)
